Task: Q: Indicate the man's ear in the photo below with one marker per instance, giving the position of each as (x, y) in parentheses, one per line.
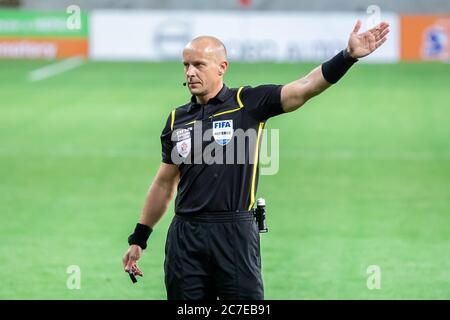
(223, 68)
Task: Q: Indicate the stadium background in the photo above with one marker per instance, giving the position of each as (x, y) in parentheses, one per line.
(364, 168)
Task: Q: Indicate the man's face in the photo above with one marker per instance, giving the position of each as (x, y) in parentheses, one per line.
(202, 70)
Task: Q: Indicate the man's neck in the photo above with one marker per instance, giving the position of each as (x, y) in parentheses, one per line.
(204, 99)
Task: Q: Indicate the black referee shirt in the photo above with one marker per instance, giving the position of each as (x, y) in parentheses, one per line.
(196, 135)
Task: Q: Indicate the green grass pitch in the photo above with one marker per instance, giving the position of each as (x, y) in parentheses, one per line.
(364, 180)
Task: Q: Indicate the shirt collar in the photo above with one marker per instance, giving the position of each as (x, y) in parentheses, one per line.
(221, 96)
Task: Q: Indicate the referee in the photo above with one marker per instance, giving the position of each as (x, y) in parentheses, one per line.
(212, 247)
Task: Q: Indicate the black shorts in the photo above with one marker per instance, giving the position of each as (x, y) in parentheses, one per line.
(213, 255)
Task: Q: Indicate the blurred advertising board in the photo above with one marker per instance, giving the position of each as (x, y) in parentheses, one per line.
(248, 36)
(48, 35)
(425, 37)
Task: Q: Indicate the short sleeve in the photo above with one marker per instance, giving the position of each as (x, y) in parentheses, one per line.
(263, 102)
(166, 142)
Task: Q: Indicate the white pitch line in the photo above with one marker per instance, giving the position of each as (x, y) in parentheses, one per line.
(55, 68)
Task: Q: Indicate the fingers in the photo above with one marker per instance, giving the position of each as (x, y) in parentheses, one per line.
(380, 39)
(132, 259)
(379, 43)
(379, 28)
(128, 260)
(382, 35)
(372, 42)
(357, 26)
(131, 265)
(137, 271)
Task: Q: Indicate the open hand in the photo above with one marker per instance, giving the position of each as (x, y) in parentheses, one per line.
(361, 45)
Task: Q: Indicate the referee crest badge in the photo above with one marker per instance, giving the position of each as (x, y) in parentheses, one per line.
(184, 142)
(223, 131)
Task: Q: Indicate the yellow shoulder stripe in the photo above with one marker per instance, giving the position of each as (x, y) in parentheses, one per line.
(241, 105)
(173, 120)
(224, 112)
(192, 122)
(255, 166)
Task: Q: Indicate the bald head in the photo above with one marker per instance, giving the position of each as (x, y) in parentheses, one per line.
(210, 46)
(205, 63)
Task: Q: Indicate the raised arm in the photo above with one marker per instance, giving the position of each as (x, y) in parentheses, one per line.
(296, 93)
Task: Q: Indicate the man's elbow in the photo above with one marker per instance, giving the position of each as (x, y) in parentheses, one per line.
(297, 99)
(292, 106)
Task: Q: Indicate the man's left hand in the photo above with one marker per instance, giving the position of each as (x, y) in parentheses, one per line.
(361, 45)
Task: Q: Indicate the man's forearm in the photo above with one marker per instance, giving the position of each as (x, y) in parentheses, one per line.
(156, 202)
(315, 83)
(328, 73)
(296, 93)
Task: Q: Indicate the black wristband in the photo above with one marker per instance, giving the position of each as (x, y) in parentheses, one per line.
(335, 68)
(140, 235)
